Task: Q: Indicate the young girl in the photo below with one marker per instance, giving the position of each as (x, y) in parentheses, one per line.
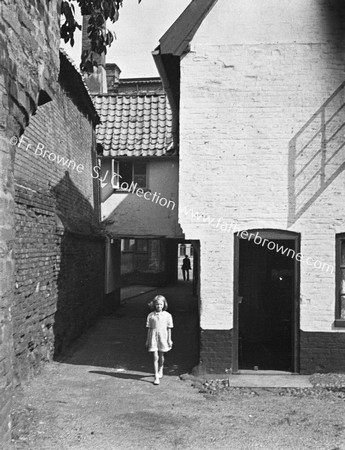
(159, 324)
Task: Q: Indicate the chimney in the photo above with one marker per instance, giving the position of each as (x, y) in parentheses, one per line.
(95, 76)
(113, 77)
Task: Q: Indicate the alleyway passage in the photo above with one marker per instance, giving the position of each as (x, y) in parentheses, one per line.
(106, 381)
(118, 341)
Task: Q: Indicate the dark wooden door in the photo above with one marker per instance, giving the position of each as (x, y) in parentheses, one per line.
(266, 304)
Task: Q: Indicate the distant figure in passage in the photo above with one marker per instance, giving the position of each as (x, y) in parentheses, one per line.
(186, 268)
(159, 324)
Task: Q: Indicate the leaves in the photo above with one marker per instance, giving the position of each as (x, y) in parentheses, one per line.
(69, 26)
(100, 37)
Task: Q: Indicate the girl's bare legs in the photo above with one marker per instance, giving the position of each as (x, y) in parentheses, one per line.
(155, 362)
(155, 366)
(160, 364)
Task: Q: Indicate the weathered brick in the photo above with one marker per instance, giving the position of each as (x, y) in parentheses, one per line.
(59, 270)
(322, 351)
(19, 83)
(216, 350)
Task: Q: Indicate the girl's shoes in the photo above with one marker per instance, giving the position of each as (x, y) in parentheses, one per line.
(158, 376)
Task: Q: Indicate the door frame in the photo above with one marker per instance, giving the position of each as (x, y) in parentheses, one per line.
(270, 234)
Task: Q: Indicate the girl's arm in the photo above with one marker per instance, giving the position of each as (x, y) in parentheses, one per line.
(148, 337)
(169, 337)
(147, 343)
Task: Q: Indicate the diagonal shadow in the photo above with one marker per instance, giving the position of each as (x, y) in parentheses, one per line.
(80, 249)
(125, 376)
(316, 154)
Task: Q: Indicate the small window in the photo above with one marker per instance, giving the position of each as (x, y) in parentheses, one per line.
(115, 179)
(125, 172)
(340, 281)
(142, 246)
(128, 173)
(139, 174)
(127, 245)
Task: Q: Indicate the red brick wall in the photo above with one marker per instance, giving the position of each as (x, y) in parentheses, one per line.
(59, 258)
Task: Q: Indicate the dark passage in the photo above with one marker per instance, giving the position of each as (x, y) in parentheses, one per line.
(117, 341)
(266, 284)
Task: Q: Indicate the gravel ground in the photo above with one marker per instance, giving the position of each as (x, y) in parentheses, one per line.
(69, 408)
(101, 396)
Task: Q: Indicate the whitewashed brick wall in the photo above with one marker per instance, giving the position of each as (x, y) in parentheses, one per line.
(133, 215)
(257, 72)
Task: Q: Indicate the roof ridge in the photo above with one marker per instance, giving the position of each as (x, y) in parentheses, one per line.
(82, 79)
(126, 94)
(74, 64)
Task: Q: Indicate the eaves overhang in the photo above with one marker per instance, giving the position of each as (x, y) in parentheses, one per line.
(172, 45)
(178, 37)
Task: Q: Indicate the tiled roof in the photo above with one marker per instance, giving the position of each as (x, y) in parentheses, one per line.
(134, 125)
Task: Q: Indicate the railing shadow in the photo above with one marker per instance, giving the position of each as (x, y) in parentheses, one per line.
(316, 154)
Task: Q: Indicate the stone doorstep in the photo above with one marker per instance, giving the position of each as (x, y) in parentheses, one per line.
(270, 381)
(261, 379)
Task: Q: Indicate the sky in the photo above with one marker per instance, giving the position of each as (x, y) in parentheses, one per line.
(138, 31)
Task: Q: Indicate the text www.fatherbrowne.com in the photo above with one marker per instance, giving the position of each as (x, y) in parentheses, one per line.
(232, 227)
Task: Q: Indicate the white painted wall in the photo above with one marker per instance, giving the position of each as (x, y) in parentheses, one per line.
(127, 214)
(257, 73)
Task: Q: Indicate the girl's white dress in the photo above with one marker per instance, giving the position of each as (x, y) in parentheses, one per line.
(158, 324)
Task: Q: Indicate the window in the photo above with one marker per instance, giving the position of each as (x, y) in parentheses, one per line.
(142, 246)
(127, 245)
(340, 281)
(129, 172)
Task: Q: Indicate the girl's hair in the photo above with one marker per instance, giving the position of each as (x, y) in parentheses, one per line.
(156, 299)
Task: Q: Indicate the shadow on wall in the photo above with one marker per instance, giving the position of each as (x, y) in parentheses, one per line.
(79, 265)
(332, 27)
(147, 217)
(316, 154)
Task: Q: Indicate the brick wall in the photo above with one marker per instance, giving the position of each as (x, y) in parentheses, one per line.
(80, 286)
(260, 117)
(29, 61)
(322, 352)
(216, 350)
(59, 257)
